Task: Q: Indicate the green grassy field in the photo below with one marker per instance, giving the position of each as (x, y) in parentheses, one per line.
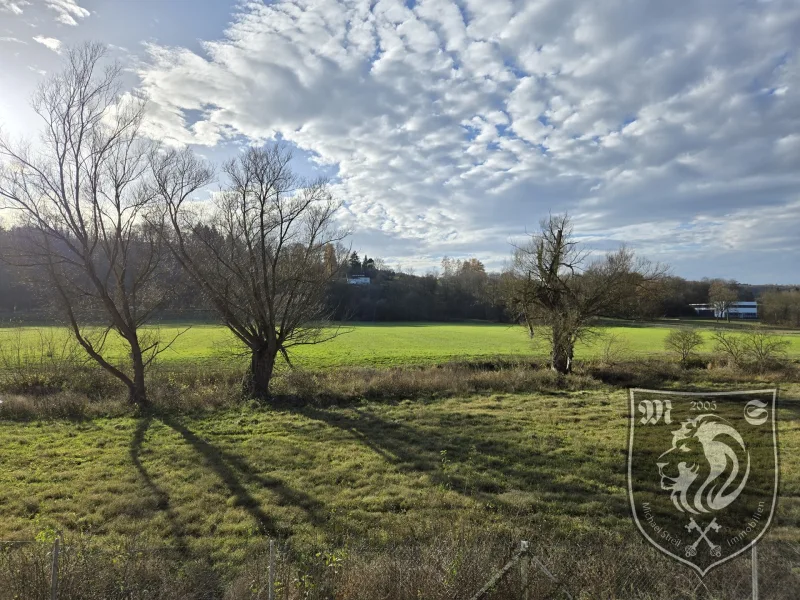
(381, 345)
(212, 484)
(206, 478)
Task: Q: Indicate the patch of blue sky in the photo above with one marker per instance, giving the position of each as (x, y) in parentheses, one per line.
(471, 131)
(167, 23)
(515, 69)
(305, 163)
(193, 115)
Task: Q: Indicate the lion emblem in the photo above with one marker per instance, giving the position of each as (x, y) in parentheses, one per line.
(702, 471)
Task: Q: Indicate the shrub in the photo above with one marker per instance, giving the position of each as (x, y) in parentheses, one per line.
(758, 347)
(613, 349)
(764, 348)
(683, 343)
(731, 346)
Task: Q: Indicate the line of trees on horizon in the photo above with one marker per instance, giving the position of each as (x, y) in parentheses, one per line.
(460, 290)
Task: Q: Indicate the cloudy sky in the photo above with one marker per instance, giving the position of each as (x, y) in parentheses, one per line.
(450, 127)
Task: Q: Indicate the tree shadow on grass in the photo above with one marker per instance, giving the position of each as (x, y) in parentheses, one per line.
(487, 465)
(162, 500)
(233, 471)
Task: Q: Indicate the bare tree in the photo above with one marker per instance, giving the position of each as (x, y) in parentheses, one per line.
(261, 254)
(559, 286)
(81, 199)
(722, 297)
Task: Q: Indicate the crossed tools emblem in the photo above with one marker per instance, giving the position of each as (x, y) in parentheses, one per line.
(716, 550)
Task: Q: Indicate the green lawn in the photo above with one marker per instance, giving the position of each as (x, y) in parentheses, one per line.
(382, 344)
(213, 484)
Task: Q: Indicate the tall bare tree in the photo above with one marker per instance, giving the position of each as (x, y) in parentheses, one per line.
(81, 199)
(559, 286)
(722, 297)
(261, 253)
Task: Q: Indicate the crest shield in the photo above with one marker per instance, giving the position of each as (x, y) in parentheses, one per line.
(702, 471)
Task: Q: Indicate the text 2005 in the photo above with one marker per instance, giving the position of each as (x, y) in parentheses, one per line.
(704, 405)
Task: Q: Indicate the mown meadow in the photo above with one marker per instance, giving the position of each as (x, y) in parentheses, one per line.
(500, 451)
(389, 344)
(547, 465)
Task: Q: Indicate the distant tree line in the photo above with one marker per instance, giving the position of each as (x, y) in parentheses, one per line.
(781, 307)
(459, 290)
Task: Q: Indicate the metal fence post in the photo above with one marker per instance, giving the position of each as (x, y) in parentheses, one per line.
(497, 577)
(54, 571)
(754, 564)
(271, 585)
(524, 569)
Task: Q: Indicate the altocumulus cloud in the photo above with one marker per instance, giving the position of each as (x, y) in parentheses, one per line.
(51, 43)
(454, 125)
(66, 11)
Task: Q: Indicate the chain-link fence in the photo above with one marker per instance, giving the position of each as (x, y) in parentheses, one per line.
(447, 569)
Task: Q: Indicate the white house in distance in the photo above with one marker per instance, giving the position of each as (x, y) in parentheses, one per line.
(358, 280)
(738, 310)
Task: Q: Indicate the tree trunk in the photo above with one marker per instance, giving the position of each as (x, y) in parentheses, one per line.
(530, 330)
(561, 357)
(259, 375)
(137, 392)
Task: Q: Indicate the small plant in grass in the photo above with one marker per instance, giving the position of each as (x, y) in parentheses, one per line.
(469, 479)
(334, 559)
(446, 469)
(613, 348)
(683, 343)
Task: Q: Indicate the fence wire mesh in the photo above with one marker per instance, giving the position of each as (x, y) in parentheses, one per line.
(446, 570)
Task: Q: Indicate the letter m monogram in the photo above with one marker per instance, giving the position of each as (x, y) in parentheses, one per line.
(653, 410)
